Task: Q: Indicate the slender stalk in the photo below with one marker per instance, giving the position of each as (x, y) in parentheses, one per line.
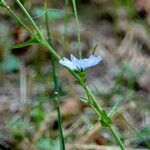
(116, 136)
(62, 142)
(65, 19)
(96, 106)
(51, 50)
(28, 16)
(78, 27)
(65, 30)
(56, 87)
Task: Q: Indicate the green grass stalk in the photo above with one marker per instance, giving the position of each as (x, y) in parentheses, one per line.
(65, 47)
(78, 27)
(28, 16)
(56, 87)
(116, 136)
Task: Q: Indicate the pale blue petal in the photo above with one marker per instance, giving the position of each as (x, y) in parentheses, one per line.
(94, 60)
(78, 64)
(73, 59)
(67, 63)
(85, 63)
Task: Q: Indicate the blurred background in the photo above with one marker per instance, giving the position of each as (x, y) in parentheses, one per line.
(120, 29)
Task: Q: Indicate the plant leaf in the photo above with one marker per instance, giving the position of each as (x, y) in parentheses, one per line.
(47, 144)
(115, 107)
(53, 14)
(94, 49)
(105, 119)
(27, 43)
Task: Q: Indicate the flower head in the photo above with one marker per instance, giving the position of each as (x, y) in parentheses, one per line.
(80, 64)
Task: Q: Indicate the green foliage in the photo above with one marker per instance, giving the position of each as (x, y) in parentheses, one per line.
(105, 119)
(47, 144)
(82, 74)
(115, 107)
(144, 133)
(142, 136)
(27, 43)
(53, 14)
(10, 63)
(129, 7)
(37, 115)
(123, 89)
(93, 50)
(19, 128)
(127, 73)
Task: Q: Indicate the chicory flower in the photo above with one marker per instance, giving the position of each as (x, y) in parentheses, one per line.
(80, 64)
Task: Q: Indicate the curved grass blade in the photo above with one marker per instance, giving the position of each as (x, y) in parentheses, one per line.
(27, 43)
(53, 14)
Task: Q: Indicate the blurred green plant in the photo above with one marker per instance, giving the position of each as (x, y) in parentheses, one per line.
(56, 85)
(127, 73)
(141, 137)
(52, 14)
(10, 63)
(37, 114)
(20, 128)
(124, 87)
(47, 144)
(127, 5)
(78, 27)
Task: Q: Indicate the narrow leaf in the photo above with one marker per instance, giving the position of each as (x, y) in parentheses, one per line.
(27, 43)
(53, 14)
(115, 107)
(94, 49)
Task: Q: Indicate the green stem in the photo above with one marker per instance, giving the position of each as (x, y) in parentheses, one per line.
(56, 87)
(66, 19)
(28, 16)
(62, 145)
(78, 27)
(98, 110)
(116, 136)
(65, 48)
